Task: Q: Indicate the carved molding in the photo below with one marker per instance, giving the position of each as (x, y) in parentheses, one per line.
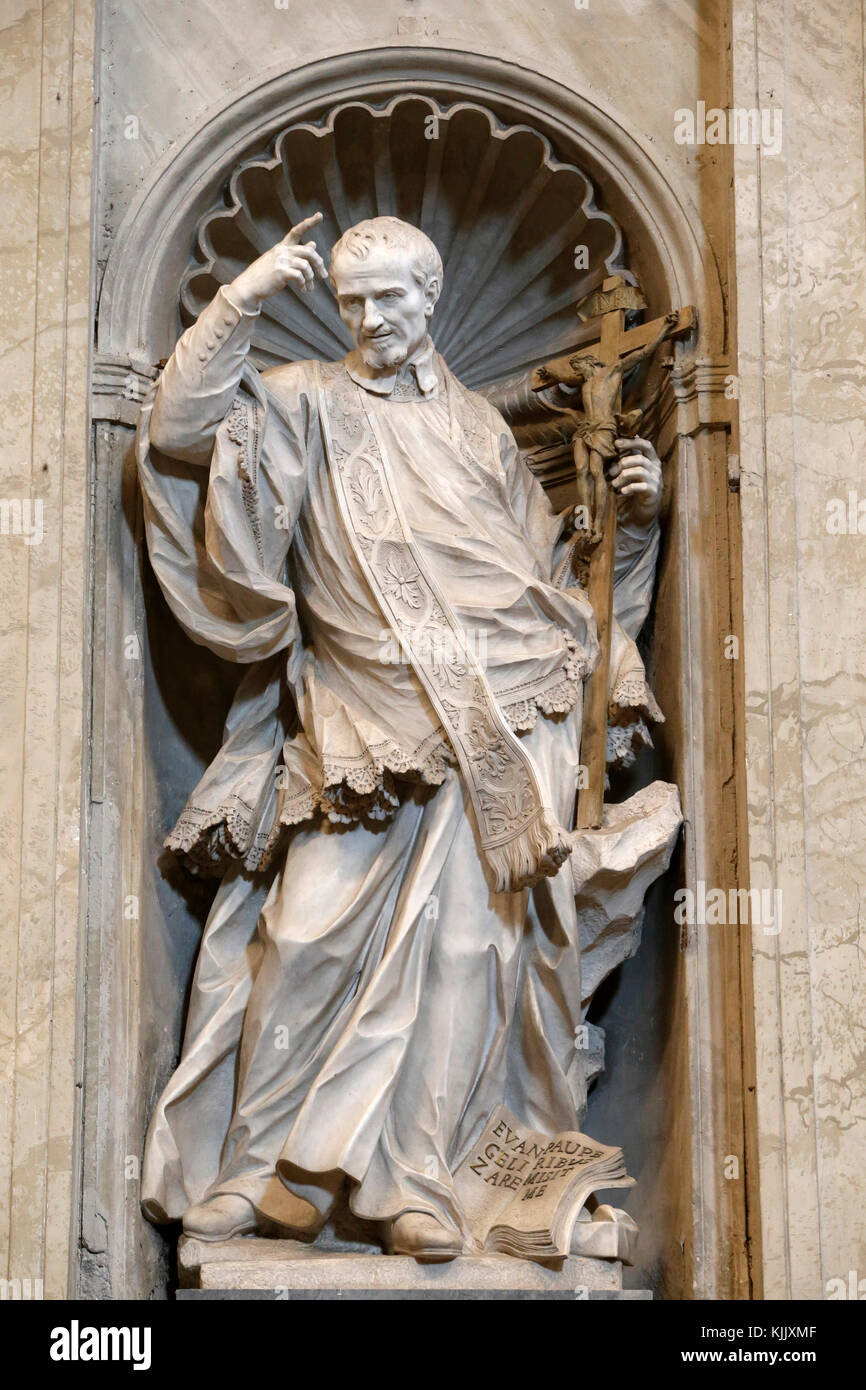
(118, 387)
(152, 248)
(700, 388)
(695, 397)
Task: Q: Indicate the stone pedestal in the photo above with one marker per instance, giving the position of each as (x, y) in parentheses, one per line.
(250, 1267)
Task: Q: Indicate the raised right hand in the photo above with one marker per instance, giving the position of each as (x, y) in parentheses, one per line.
(292, 261)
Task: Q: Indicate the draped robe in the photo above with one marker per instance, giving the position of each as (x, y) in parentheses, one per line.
(363, 995)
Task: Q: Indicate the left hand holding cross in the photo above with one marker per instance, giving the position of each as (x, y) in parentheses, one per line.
(636, 475)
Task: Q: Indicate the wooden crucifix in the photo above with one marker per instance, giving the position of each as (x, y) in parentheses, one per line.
(597, 370)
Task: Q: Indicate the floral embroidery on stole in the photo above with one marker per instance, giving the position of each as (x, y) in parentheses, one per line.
(520, 837)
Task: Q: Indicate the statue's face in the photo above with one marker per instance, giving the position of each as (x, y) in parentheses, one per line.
(591, 365)
(382, 304)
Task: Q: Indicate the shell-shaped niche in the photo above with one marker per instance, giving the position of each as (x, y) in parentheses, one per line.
(507, 216)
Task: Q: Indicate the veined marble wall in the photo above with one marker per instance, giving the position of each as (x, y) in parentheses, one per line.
(801, 302)
(46, 60)
(795, 279)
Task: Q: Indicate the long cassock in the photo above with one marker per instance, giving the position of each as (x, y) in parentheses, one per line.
(402, 754)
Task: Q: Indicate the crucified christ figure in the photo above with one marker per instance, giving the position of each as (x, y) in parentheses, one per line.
(595, 438)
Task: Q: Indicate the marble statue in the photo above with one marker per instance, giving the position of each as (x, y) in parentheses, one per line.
(395, 947)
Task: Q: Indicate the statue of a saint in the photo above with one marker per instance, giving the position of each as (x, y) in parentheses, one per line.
(393, 950)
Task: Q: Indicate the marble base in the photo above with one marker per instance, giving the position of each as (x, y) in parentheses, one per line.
(250, 1266)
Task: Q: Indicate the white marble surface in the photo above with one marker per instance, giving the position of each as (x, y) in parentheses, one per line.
(47, 65)
(251, 1263)
(801, 272)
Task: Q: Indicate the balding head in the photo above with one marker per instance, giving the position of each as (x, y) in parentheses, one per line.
(389, 234)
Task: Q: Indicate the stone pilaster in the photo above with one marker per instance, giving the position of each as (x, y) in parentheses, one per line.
(801, 286)
(45, 288)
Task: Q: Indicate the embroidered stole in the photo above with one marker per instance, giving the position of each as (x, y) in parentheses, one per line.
(520, 837)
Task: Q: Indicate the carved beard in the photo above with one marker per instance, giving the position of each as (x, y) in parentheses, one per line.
(379, 358)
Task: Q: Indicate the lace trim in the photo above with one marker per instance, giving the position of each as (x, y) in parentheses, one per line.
(353, 789)
(624, 741)
(522, 715)
(632, 693)
(362, 788)
(429, 761)
(210, 842)
(239, 432)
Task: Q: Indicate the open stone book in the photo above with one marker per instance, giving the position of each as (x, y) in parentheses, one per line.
(523, 1192)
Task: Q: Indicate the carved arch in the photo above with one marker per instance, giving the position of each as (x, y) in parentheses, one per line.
(504, 212)
(674, 259)
(138, 321)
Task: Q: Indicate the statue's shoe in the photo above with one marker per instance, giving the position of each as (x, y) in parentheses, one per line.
(419, 1234)
(220, 1218)
(608, 1233)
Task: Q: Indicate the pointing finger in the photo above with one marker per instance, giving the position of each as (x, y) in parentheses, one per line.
(295, 236)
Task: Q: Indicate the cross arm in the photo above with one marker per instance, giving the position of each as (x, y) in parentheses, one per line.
(561, 369)
(650, 335)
